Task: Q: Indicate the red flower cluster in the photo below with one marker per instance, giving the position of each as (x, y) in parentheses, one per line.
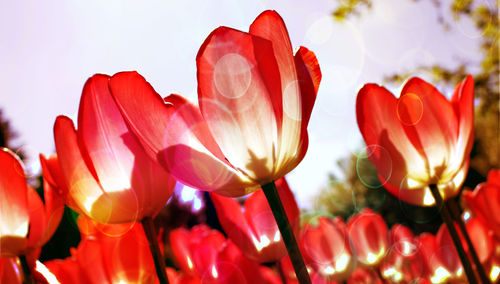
(118, 169)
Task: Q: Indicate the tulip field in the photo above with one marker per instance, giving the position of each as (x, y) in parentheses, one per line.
(144, 187)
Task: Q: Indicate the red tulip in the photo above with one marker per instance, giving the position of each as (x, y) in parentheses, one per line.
(484, 201)
(369, 235)
(107, 254)
(206, 253)
(291, 278)
(419, 139)
(178, 277)
(327, 248)
(493, 266)
(21, 207)
(109, 176)
(255, 99)
(253, 227)
(446, 254)
(481, 240)
(10, 270)
(364, 276)
(404, 260)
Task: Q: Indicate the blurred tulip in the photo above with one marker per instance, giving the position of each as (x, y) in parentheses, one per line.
(484, 201)
(255, 99)
(369, 235)
(21, 208)
(404, 261)
(493, 265)
(419, 139)
(107, 254)
(364, 276)
(327, 248)
(450, 268)
(481, 240)
(252, 227)
(205, 253)
(10, 270)
(179, 277)
(109, 176)
(437, 270)
(291, 278)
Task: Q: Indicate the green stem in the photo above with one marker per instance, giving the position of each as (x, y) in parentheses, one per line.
(28, 277)
(455, 210)
(286, 232)
(445, 214)
(149, 229)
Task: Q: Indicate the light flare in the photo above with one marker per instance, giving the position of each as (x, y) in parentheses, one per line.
(42, 269)
(495, 272)
(440, 275)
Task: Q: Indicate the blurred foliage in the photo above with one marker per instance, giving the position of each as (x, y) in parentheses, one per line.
(6, 132)
(350, 7)
(347, 195)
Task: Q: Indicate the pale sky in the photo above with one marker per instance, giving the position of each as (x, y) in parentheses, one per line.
(49, 48)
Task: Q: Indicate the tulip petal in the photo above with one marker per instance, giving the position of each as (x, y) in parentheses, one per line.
(14, 212)
(235, 225)
(54, 195)
(388, 147)
(38, 222)
(430, 124)
(124, 170)
(463, 104)
(82, 186)
(309, 75)
(174, 133)
(288, 103)
(237, 101)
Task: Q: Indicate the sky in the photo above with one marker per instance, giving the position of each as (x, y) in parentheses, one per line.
(49, 48)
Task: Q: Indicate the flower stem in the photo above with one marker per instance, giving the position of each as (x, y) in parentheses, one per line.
(286, 232)
(445, 214)
(28, 277)
(455, 211)
(149, 229)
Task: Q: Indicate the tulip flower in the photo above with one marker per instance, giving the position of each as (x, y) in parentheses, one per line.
(482, 241)
(369, 235)
(327, 248)
(250, 129)
(206, 253)
(26, 223)
(107, 172)
(9, 270)
(404, 260)
(484, 201)
(441, 261)
(253, 228)
(290, 277)
(109, 176)
(364, 276)
(493, 263)
(255, 99)
(103, 257)
(419, 139)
